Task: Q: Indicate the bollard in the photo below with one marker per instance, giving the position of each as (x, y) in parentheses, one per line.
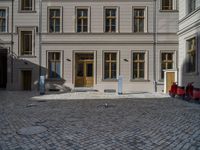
(120, 83)
(42, 85)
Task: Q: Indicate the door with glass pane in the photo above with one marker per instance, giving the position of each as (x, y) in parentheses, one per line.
(84, 75)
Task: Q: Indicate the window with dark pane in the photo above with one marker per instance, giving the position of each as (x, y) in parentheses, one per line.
(2, 20)
(110, 65)
(166, 62)
(26, 5)
(82, 20)
(138, 66)
(167, 4)
(138, 20)
(110, 20)
(54, 65)
(54, 20)
(26, 42)
(191, 55)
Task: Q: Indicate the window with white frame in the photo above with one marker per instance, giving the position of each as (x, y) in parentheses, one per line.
(139, 20)
(82, 20)
(191, 55)
(26, 5)
(138, 65)
(3, 20)
(167, 62)
(168, 5)
(110, 65)
(26, 41)
(55, 20)
(54, 65)
(111, 20)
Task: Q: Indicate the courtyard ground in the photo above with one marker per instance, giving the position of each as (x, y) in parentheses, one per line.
(156, 123)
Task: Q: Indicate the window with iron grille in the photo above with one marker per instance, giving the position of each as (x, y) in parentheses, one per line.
(138, 65)
(166, 62)
(54, 20)
(54, 65)
(111, 20)
(26, 42)
(3, 24)
(167, 4)
(82, 20)
(139, 20)
(191, 55)
(110, 65)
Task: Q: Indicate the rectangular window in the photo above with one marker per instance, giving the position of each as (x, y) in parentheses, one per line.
(82, 20)
(192, 5)
(111, 20)
(54, 65)
(27, 5)
(191, 55)
(138, 65)
(54, 20)
(110, 65)
(26, 42)
(167, 4)
(3, 20)
(166, 62)
(139, 20)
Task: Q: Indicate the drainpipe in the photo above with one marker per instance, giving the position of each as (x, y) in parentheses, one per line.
(154, 44)
(40, 40)
(11, 47)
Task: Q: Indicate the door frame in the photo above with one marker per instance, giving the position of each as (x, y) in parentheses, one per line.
(74, 65)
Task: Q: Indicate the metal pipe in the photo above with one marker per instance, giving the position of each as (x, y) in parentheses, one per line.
(40, 39)
(12, 25)
(154, 44)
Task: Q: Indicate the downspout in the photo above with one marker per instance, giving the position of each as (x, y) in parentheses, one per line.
(40, 39)
(154, 44)
(12, 26)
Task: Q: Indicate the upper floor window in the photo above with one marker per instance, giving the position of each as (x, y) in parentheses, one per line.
(138, 20)
(82, 20)
(111, 20)
(191, 55)
(26, 5)
(26, 42)
(55, 20)
(3, 20)
(167, 4)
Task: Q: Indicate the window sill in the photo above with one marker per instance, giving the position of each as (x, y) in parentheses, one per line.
(109, 80)
(191, 73)
(139, 80)
(27, 56)
(27, 11)
(167, 11)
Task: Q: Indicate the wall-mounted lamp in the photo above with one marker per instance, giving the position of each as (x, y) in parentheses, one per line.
(126, 60)
(68, 59)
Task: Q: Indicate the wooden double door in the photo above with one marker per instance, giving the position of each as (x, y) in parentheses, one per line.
(26, 80)
(84, 70)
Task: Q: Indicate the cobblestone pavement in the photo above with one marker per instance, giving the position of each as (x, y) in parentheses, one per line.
(124, 124)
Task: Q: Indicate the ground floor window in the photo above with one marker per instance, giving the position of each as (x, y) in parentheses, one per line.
(54, 65)
(138, 66)
(166, 62)
(191, 55)
(110, 65)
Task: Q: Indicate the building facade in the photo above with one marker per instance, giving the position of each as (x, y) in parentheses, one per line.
(189, 42)
(87, 43)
